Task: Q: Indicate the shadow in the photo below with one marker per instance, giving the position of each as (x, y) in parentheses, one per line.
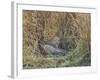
(9, 76)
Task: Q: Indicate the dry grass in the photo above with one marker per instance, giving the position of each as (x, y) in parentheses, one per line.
(40, 27)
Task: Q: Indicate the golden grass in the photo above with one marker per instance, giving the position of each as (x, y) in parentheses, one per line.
(39, 27)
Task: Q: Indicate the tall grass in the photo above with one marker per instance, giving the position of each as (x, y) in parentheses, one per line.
(73, 29)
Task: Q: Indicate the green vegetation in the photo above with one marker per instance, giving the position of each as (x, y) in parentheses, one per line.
(39, 29)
